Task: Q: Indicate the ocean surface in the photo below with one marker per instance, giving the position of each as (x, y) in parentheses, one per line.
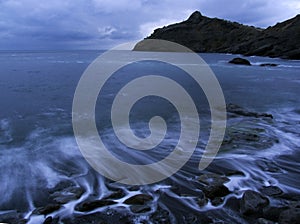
(39, 155)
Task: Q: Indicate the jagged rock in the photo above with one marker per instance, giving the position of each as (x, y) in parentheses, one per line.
(252, 203)
(139, 199)
(240, 61)
(203, 34)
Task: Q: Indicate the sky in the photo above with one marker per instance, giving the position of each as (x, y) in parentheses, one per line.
(102, 24)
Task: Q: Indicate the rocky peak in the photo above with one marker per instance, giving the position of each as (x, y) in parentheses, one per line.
(195, 17)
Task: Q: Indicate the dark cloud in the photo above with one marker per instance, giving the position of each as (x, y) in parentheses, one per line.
(96, 24)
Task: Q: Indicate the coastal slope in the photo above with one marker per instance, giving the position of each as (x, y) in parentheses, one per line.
(213, 35)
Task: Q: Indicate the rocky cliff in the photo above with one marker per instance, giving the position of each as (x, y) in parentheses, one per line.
(203, 34)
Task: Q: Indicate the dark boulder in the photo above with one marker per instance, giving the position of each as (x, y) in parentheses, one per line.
(239, 61)
(252, 203)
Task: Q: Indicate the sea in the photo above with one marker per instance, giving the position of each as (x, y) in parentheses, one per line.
(39, 152)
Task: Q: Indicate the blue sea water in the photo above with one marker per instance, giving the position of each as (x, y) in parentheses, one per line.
(38, 149)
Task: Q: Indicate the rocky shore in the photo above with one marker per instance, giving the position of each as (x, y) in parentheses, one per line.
(213, 35)
(212, 194)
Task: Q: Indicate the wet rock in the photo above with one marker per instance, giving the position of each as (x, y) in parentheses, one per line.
(202, 200)
(12, 217)
(216, 191)
(271, 191)
(233, 203)
(235, 109)
(116, 194)
(213, 185)
(268, 65)
(140, 208)
(91, 205)
(139, 199)
(134, 188)
(61, 186)
(240, 61)
(98, 218)
(252, 203)
(247, 137)
(268, 166)
(193, 219)
(213, 179)
(264, 221)
(273, 213)
(67, 195)
(217, 201)
(50, 220)
(47, 209)
(160, 216)
(289, 216)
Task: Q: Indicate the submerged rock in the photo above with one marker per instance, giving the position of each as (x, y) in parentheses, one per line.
(240, 61)
(252, 203)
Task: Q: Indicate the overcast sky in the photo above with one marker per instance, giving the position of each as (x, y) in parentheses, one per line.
(101, 24)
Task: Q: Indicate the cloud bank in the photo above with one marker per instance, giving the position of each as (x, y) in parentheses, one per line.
(101, 24)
